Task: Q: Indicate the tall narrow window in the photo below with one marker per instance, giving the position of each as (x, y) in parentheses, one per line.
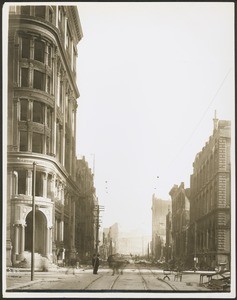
(39, 184)
(38, 82)
(49, 117)
(61, 95)
(24, 77)
(24, 110)
(49, 56)
(48, 85)
(47, 145)
(37, 142)
(39, 51)
(23, 141)
(22, 182)
(25, 10)
(38, 112)
(49, 190)
(50, 15)
(40, 11)
(25, 51)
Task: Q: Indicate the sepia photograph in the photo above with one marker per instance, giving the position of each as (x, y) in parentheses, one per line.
(118, 134)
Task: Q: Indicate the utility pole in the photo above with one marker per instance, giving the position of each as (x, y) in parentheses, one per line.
(33, 222)
(97, 210)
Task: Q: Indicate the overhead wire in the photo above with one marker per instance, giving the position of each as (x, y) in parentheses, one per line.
(201, 119)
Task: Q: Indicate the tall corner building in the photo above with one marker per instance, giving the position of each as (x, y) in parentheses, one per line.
(210, 200)
(42, 104)
(160, 209)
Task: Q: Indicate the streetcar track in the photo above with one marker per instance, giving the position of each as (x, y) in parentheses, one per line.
(112, 285)
(92, 282)
(155, 275)
(144, 281)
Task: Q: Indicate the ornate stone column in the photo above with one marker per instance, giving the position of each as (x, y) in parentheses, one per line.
(22, 242)
(16, 241)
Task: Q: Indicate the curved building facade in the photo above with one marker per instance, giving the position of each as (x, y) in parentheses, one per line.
(42, 105)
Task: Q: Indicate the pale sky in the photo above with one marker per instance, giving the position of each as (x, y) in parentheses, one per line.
(150, 77)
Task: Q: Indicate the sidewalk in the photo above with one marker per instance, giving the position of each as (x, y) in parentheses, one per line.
(19, 278)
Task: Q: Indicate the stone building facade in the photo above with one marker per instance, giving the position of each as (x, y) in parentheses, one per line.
(180, 222)
(86, 212)
(159, 209)
(169, 240)
(210, 200)
(42, 105)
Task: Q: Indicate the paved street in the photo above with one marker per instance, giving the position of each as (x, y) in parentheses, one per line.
(134, 278)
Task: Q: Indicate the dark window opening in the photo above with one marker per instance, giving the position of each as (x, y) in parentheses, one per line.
(47, 145)
(49, 56)
(40, 11)
(49, 191)
(38, 80)
(38, 112)
(39, 184)
(37, 142)
(24, 110)
(50, 16)
(22, 182)
(24, 77)
(25, 48)
(23, 141)
(25, 10)
(48, 84)
(39, 51)
(49, 117)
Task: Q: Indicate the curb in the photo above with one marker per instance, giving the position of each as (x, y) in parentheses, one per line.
(22, 285)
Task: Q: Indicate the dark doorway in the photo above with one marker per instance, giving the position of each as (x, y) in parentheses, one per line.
(40, 232)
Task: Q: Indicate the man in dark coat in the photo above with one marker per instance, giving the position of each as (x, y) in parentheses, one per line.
(95, 263)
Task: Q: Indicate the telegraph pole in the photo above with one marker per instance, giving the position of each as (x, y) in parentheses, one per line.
(33, 222)
(98, 209)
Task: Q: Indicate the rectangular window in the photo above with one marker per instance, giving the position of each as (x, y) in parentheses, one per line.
(38, 82)
(47, 145)
(39, 51)
(50, 15)
(24, 109)
(49, 56)
(22, 182)
(38, 112)
(39, 184)
(40, 11)
(49, 192)
(25, 50)
(48, 84)
(37, 142)
(23, 141)
(49, 117)
(25, 10)
(24, 77)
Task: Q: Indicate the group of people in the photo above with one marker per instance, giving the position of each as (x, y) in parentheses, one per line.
(115, 263)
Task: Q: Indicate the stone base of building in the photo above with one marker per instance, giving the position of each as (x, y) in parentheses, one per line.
(9, 254)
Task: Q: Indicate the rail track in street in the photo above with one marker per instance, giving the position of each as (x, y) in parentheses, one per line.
(135, 268)
(155, 275)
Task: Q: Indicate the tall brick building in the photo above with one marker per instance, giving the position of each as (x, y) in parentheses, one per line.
(210, 200)
(160, 209)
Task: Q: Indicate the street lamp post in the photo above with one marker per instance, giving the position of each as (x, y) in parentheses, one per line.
(33, 222)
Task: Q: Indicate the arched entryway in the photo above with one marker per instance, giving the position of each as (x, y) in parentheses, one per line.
(40, 232)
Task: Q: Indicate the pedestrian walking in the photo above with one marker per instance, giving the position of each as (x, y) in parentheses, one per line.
(112, 263)
(95, 263)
